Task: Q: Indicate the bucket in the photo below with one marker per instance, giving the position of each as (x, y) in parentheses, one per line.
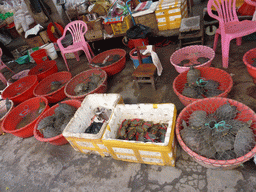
(139, 42)
(135, 59)
(40, 56)
(51, 52)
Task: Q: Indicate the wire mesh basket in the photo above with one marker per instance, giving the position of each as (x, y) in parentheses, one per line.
(209, 73)
(242, 115)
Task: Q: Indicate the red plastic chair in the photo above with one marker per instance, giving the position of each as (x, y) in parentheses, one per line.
(229, 26)
(2, 65)
(77, 29)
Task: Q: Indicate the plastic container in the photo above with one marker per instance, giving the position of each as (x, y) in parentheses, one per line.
(84, 77)
(192, 52)
(210, 105)
(19, 75)
(247, 59)
(139, 42)
(51, 29)
(142, 152)
(21, 90)
(51, 52)
(39, 56)
(221, 76)
(44, 87)
(44, 69)
(135, 42)
(74, 131)
(18, 113)
(3, 110)
(114, 67)
(135, 59)
(22, 60)
(59, 139)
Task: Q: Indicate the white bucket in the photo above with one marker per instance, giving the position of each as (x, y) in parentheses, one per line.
(51, 52)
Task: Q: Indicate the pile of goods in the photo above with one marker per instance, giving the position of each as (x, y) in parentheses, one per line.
(110, 59)
(55, 85)
(88, 85)
(54, 125)
(218, 135)
(140, 130)
(198, 61)
(29, 116)
(198, 87)
(101, 116)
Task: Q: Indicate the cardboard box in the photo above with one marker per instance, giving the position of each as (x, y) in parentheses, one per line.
(170, 13)
(44, 36)
(91, 35)
(36, 41)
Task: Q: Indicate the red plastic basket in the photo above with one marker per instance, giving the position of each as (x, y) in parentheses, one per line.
(84, 77)
(43, 87)
(21, 90)
(192, 52)
(40, 56)
(221, 76)
(114, 67)
(19, 75)
(15, 116)
(60, 139)
(247, 58)
(44, 69)
(210, 105)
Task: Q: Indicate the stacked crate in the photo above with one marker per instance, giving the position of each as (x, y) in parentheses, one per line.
(170, 12)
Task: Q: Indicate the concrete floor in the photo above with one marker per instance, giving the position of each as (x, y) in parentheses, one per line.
(30, 165)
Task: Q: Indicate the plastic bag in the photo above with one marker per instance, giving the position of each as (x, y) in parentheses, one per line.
(138, 32)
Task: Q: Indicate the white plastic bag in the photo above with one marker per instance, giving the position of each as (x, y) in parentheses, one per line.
(155, 59)
(29, 19)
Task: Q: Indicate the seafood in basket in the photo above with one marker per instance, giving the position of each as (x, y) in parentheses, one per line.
(193, 62)
(110, 59)
(55, 85)
(218, 135)
(198, 87)
(54, 125)
(87, 86)
(140, 130)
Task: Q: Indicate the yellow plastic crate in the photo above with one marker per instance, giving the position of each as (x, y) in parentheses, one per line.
(122, 27)
(142, 152)
(74, 131)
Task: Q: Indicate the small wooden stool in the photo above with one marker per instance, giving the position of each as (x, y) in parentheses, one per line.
(145, 72)
(194, 35)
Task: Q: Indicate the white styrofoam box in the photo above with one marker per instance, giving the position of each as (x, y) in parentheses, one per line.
(82, 118)
(157, 113)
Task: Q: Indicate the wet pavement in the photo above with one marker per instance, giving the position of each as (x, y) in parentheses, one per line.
(30, 165)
